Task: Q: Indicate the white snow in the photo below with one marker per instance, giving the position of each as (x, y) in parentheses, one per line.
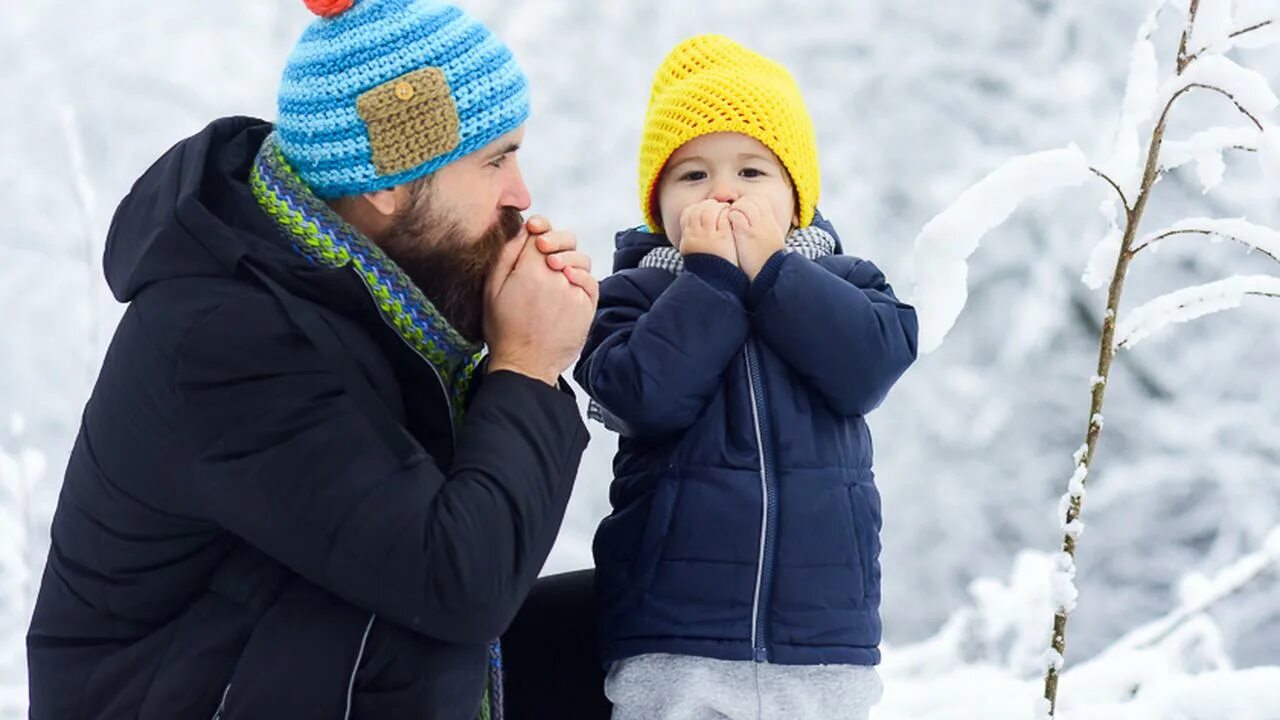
(1102, 261)
(1191, 303)
(984, 665)
(1073, 529)
(943, 247)
(912, 101)
(1269, 156)
(1214, 22)
(1125, 162)
(1206, 148)
(1075, 486)
(1247, 87)
(1253, 236)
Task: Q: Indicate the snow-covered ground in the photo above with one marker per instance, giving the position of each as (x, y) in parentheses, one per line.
(915, 101)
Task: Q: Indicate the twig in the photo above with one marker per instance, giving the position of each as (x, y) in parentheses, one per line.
(1194, 231)
(1228, 95)
(1191, 58)
(1123, 201)
(1106, 354)
(1230, 581)
(1183, 58)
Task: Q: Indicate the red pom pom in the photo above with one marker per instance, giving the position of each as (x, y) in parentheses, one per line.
(328, 8)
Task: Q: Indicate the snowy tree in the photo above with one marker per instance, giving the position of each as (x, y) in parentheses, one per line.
(946, 243)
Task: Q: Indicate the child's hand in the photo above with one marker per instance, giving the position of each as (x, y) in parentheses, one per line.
(704, 228)
(755, 231)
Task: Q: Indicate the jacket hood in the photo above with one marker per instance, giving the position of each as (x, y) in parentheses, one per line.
(192, 213)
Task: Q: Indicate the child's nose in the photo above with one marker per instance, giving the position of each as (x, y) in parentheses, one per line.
(725, 193)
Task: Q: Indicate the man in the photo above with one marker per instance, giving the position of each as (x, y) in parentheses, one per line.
(297, 491)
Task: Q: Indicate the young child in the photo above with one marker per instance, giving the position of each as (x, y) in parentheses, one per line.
(736, 351)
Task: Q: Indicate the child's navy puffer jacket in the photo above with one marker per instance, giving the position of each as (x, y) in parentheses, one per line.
(745, 519)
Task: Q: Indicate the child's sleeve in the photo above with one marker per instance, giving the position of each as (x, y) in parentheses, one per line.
(653, 364)
(837, 324)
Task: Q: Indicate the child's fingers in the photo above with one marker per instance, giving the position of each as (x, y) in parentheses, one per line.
(689, 217)
(569, 259)
(709, 217)
(723, 218)
(584, 280)
(751, 207)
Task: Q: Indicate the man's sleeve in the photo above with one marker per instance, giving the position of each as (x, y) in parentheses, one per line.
(288, 462)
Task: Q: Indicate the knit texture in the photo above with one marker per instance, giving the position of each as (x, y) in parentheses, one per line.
(321, 235)
(388, 91)
(710, 84)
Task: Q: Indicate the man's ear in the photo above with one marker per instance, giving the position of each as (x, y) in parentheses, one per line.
(387, 202)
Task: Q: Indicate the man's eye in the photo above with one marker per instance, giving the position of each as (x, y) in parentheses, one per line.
(693, 176)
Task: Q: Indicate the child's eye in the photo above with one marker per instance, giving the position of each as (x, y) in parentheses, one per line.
(752, 172)
(693, 176)
(498, 161)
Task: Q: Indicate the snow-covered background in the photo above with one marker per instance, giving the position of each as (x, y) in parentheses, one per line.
(914, 101)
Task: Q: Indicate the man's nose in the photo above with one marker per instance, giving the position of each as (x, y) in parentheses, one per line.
(516, 193)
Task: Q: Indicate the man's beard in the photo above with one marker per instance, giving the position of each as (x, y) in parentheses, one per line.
(450, 268)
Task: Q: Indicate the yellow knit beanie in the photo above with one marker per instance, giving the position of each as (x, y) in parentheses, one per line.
(710, 84)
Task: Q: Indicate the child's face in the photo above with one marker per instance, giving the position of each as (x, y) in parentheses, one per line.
(723, 166)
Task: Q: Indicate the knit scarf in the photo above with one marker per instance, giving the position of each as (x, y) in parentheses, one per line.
(322, 236)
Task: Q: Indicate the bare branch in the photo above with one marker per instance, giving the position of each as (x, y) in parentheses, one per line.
(1123, 201)
(1148, 242)
(1183, 58)
(1151, 241)
(1220, 91)
(1191, 58)
(1229, 581)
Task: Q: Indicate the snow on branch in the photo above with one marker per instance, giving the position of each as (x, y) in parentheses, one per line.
(1102, 260)
(943, 247)
(1255, 32)
(1190, 303)
(1205, 594)
(1125, 163)
(1255, 237)
(1248, 89)
(1205, 148)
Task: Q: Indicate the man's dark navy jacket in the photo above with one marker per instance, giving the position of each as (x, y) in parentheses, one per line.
(224, 454)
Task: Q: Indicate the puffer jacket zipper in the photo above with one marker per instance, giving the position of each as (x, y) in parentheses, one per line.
(768, 509)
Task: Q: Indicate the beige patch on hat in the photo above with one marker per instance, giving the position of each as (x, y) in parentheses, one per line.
(411, 120)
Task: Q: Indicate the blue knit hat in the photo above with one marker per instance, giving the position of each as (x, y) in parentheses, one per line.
(378, 93)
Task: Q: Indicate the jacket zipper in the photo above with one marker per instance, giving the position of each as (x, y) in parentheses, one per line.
(768, 510)
(453, 438)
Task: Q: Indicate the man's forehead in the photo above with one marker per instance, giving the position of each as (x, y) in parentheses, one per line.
(503, 143)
